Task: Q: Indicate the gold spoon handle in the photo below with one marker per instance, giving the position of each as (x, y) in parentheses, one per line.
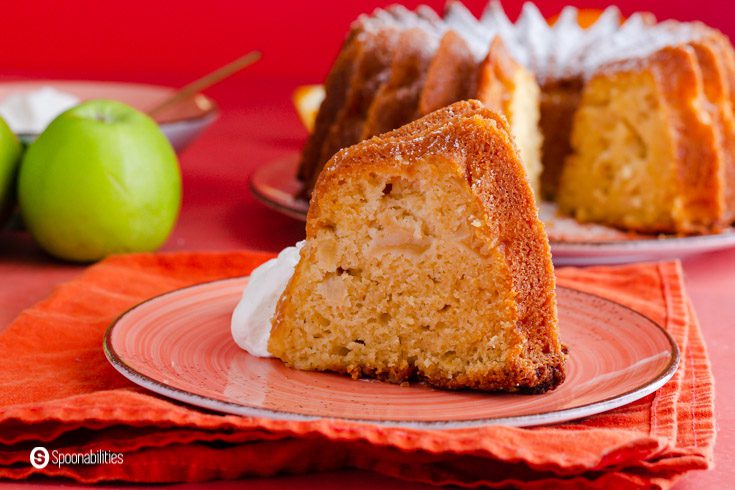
(206, 81)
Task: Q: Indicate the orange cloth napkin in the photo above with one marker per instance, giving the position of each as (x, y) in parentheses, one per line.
(57, 390)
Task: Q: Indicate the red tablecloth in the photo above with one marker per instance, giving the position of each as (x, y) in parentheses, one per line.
(157, 42)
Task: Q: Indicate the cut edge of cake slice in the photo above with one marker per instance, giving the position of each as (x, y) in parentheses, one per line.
(505, 86)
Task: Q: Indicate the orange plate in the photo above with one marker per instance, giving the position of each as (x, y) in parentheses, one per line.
(179, 345)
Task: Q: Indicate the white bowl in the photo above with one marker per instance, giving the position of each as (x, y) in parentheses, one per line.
(181, 123)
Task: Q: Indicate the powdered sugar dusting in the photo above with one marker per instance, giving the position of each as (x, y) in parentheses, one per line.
(551, 52)
(461, 20)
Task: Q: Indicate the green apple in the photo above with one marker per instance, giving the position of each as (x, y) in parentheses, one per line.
(101, 179)
(10, 149)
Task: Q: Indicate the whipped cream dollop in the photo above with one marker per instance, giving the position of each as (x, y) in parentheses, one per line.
(30, 112)
(251, 320)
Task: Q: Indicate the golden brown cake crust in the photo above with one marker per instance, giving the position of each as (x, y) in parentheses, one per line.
(336, 87)
(396, 102)
(370, 53)
(478, 142)
(700, 156)
(717, 62)
(451, 77)
(373, 61)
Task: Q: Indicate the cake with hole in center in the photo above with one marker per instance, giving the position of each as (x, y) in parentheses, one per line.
(624, 122)
(425, 260)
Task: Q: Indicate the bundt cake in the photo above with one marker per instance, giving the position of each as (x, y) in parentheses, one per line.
(425, 259)
(572, 96)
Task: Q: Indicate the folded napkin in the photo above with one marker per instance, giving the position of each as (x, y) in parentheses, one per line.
(57, 390)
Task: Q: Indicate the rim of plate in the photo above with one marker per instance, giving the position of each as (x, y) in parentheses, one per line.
(280, 207)
(723, 239)
(212, 110)
(535, 419)
(726, 236)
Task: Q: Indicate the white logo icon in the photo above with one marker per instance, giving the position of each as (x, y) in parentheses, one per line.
(39, 457)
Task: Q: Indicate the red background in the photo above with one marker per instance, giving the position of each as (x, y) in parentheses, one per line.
(155, 40)
(172, 42)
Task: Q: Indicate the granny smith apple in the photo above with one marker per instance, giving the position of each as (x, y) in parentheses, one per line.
(101, 179)
(10, 149)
